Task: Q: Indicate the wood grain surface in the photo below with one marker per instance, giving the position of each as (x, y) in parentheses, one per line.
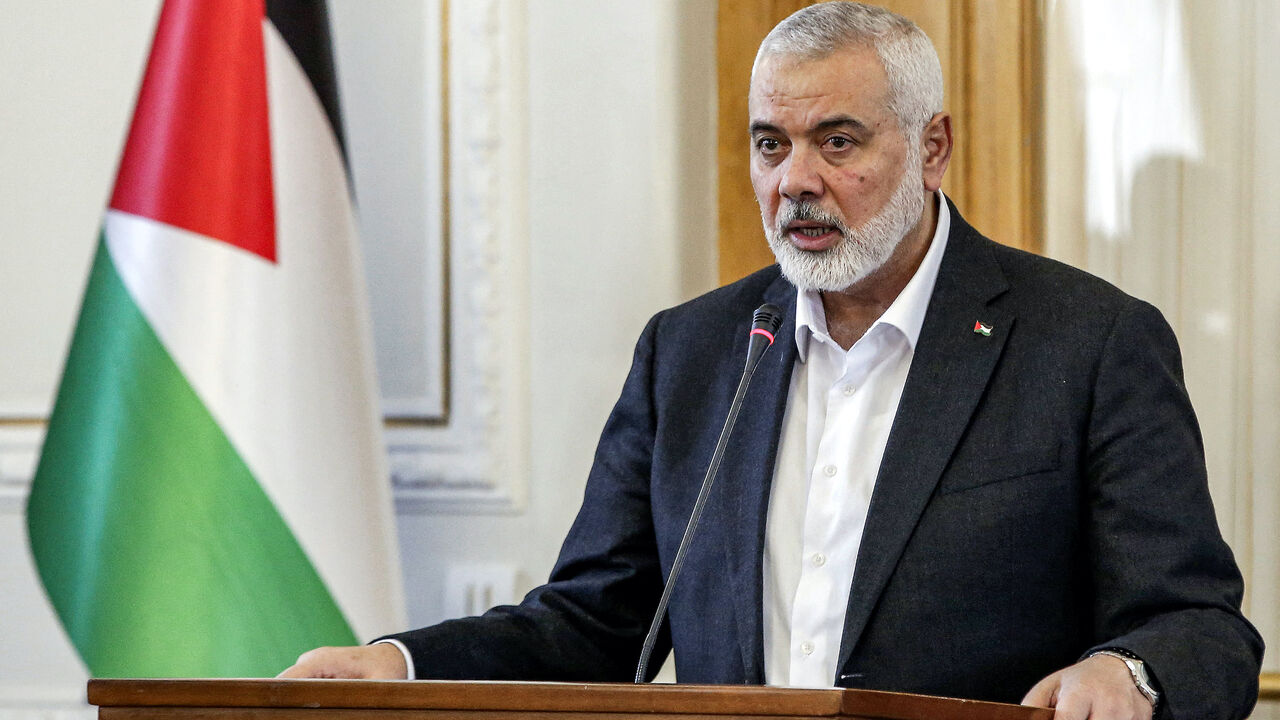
(194, 699)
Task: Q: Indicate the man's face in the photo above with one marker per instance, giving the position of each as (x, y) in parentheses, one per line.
(837, 182)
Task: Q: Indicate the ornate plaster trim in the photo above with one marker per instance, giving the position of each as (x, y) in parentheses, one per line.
(19, 451)
(477, 462)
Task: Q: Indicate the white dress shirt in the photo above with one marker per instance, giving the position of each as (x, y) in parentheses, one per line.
(839, 412)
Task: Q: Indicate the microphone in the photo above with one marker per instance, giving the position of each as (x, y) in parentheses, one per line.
(764, 325)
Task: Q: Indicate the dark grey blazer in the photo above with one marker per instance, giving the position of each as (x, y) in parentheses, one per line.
(1043, 493)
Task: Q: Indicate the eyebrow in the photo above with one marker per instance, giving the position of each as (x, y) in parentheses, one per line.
(759, 126)
(831, 123)
(838, 122)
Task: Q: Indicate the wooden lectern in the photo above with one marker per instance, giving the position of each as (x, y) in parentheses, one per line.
(446, 700)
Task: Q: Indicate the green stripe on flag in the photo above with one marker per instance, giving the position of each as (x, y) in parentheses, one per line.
(160, 551)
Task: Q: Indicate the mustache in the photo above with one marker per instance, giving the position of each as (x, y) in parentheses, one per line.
(806, 211)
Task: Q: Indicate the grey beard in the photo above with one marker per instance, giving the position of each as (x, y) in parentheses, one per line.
(860, 251)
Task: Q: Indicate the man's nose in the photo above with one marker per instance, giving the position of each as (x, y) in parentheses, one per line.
(800, 176)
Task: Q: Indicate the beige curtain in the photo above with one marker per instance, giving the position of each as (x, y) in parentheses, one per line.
(1162, 175)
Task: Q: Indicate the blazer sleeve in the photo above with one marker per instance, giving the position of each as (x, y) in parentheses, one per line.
(588, 622)
(1167, 586)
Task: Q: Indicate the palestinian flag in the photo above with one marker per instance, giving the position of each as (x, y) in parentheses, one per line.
(211, 498)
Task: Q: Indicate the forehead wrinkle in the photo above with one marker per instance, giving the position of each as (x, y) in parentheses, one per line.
(772, 106)
(776, 95)
(852, 78)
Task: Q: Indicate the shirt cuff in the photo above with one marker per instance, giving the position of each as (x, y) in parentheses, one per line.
(408, 659)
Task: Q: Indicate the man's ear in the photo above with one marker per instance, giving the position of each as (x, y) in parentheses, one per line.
(935, 142)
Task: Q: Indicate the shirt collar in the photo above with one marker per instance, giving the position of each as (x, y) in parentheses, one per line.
(906, 313)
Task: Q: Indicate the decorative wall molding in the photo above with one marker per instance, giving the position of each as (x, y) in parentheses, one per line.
(478, 460)
(19, 451)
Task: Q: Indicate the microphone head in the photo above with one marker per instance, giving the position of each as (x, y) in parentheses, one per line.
(766, 321)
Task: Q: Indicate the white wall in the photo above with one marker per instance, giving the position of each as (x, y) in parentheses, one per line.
(620, 225)
(72, 74)
(617, 122)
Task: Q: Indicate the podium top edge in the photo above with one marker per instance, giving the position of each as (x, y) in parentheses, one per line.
(462, 695)
(544, 696)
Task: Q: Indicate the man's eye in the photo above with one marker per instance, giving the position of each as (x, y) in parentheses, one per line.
(768, 145)
(839, 142)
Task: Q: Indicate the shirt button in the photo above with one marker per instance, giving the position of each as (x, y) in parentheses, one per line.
(829, 471)
(848, 390)
(819, 559)
(806, 647)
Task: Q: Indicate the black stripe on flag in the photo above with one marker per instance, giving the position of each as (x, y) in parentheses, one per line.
(304, 25)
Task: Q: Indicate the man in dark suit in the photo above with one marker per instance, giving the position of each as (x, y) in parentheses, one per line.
(965, 470)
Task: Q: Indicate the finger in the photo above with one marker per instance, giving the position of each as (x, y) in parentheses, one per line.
(1084, 702)
(293, 671)
(1076, 706)
(1043, 694)
(1118, 708)
(310, 664)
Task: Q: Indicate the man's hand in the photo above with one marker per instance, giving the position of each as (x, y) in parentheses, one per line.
(1096, 688)
(380, 661)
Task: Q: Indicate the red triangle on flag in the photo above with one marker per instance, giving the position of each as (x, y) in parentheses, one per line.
(198, 154)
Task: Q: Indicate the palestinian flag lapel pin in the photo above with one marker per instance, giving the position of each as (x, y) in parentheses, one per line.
(982, 328)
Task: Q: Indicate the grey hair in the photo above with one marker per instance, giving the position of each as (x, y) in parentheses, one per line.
(909, 59)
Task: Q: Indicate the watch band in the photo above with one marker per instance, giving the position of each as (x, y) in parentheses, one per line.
(1137, 670)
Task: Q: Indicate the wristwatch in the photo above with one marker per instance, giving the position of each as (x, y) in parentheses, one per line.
(1137, 669)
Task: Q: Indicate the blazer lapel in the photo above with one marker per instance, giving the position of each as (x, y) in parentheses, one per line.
(746, 474)
(952, 364)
